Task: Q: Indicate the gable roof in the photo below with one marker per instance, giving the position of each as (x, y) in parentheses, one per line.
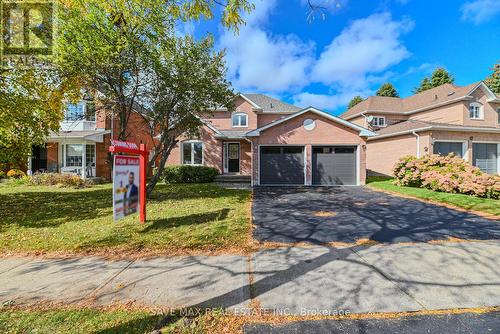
(269, 104)
(430, 98)
(362, 131)
(413, 125)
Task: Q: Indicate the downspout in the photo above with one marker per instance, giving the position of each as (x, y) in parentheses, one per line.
(418, 143)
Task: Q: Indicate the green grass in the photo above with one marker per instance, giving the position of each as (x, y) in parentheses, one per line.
(107, 321)
(486, 205)
(77, 321)
(180, 217)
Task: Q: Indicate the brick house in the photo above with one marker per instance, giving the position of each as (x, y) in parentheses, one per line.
(81, 145)
(463, 120)
(276, 143)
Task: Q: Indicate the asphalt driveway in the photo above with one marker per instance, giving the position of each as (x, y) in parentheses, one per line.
(347, 214)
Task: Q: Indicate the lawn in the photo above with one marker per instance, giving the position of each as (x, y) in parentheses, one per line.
(105, 321)
(181, 218)
(486, 205)
(77, 321)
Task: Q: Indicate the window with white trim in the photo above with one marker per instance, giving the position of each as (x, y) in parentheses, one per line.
(498, 112)
(192, 153)
(239, 120)
(81, 111)
(475, 110)
(74, 155)
(378, 121)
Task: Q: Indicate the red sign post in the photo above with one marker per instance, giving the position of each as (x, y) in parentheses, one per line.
(131, 148)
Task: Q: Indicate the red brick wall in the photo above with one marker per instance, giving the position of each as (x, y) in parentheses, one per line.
(52, 156)
(326, 132)
(212, 150)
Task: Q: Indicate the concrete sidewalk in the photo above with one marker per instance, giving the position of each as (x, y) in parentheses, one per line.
(304, 281)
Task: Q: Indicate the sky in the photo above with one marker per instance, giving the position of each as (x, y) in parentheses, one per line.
(357, 45)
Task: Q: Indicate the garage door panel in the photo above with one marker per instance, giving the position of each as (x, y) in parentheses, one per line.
(485, 157)
(281, 165)
(334, 166)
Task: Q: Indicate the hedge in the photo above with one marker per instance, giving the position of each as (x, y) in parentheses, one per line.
(189, 174)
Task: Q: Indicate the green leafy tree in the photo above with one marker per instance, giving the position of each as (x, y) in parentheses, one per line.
(387, 89)
(355, 100)
(188, 83)
(105, 45)
(493, 81)
(440, 77)
(425, 84)
(30, 107)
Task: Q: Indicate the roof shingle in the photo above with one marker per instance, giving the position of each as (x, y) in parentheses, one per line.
(269, 104)
(433, 96)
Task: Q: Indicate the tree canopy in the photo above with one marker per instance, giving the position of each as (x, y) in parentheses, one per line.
(493, 80)
(106, 45)
(188, 83)
(355, 100)
(439, 77)
(387, 89)
(30, 107)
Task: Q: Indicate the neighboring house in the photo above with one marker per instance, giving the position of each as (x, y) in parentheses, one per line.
(275, 143)
(81, 145)
(463, 120)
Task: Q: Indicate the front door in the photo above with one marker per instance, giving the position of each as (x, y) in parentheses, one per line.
(39, 159)
(233, 157)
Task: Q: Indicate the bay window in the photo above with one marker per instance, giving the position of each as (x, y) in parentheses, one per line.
(192, 153)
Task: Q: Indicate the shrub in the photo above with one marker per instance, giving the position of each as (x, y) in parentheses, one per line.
(189, 174)
(2, 175)
(56, 179)
(449, 174)
(16, 173)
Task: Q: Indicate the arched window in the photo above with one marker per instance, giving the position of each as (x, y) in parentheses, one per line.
(239, 120)
(476, 110)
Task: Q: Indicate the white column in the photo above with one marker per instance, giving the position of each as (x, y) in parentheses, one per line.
(84, 151)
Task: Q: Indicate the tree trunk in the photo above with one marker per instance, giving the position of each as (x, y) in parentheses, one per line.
(164, 156)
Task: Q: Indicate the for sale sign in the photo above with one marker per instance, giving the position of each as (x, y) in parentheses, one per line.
(125, 186)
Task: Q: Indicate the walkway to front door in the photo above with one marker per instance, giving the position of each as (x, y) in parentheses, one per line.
(231, 157)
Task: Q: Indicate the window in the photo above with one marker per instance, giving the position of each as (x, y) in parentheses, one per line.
(90, 155)
(475, 111)
(84, 110)
(74, 156)
(498, 112)
(74, 112)
(378, 121)
(192, 153)
(445, 148)
(240, 120)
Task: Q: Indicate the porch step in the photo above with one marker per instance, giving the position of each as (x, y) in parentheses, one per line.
(233, 179)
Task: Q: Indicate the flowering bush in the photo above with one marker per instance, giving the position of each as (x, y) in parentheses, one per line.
(55, 179)
(449, 174)
(15, 173)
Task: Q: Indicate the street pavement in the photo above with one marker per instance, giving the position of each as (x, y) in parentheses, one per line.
(295, 280)
(466, 323)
